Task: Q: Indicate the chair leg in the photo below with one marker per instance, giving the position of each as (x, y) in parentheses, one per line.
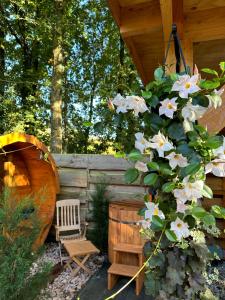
(81, 264)
(112, 279)
(60, 254)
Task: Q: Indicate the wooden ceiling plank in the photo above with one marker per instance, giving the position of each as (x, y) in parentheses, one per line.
(205, 25)
(140, 20)
(196, 5)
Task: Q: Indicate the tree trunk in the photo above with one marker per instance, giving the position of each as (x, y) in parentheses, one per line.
(90, 113)
(2, 63)
(57, 79)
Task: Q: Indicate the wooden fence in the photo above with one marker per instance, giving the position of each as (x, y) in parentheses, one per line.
(79, 172)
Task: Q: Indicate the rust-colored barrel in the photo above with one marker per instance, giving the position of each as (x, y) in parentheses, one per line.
(123, 216)
(28, 169)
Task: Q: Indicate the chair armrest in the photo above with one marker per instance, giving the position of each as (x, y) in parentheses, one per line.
(84, 231)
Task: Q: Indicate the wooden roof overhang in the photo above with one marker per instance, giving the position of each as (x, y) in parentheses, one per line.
(145, 26)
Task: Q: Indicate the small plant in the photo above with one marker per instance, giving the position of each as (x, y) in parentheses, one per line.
(99, 234)
(19, 229)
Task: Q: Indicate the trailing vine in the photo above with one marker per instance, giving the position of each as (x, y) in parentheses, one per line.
(172, 156)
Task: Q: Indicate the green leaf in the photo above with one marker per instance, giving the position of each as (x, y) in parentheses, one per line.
(214, 142)
(222, 65)
(146, 94)
(209, 219)
(168, 187)
(198, 212)
(131, 175)
(87, 124)
(209, 85)
(154, 101)
(209, 71)
(201, 100)
(158, 74)
(153, 165)
(176, 132)
(165, 169)
(218, 211)
(135, 155)
(157, 221)
(151, 179)
(120, 155)
(171, 235)
(185, 150)
(207, 192)
(190, 169)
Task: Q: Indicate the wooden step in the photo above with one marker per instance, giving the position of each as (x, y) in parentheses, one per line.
(129, 248)
(124, 270)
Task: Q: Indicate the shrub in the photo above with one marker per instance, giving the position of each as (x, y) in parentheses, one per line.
(19, 229)
(100, 199)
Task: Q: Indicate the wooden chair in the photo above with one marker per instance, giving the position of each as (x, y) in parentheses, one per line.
(69, 227)
(69, 233)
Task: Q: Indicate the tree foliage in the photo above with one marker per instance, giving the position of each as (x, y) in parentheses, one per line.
(94, 64)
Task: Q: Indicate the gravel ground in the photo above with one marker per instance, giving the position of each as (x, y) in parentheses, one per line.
(66, 285)
(217, 279)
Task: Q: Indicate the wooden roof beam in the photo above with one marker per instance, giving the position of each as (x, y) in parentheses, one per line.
(172, 13)
(115, 10)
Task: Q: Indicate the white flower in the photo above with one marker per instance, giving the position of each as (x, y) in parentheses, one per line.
(177, 160)
(141, 143)
(193, 112)
(168, 107)
(160, 143)
(121, 104)
(141, 166)
(193, 190)
(186, 85)
(220, 152)
(215, 99)
(137, 104)
(181, 206)
(145, 224)
(180, 228)
(180, 194)
(216, 167)
(153, 210)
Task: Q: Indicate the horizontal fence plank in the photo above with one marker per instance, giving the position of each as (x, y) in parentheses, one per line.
(73, 177)
(71, 160)
(91, 161)
(110, 177)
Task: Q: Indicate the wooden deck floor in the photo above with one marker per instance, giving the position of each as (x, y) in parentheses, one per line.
(96, 289)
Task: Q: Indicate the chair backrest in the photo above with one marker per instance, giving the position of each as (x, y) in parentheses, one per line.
(68, 214)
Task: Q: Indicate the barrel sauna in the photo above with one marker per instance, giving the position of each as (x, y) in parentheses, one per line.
(28, 169)
(123, 228)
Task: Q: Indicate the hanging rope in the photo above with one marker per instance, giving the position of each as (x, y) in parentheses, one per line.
(17, 150)
(177, 49)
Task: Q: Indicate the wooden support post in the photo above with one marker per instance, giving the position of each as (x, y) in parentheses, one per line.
(172, 13)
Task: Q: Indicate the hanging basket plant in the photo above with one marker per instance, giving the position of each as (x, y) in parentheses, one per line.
(173, 154)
